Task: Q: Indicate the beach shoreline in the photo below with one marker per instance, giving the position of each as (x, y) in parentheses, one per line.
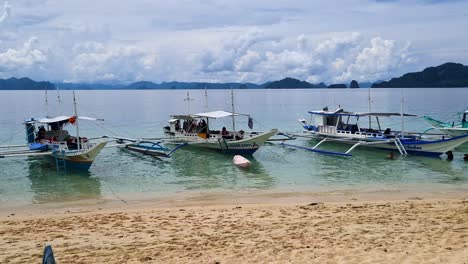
(375, 227)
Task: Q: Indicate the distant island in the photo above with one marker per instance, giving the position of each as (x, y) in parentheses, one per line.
(24, 84)
(446, 75)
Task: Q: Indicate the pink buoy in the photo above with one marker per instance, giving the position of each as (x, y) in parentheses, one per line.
(240, 161)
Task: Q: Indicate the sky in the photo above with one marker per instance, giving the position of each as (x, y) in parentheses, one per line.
(109, 41)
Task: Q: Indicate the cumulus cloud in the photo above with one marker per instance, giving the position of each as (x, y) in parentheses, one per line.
(22, 59)
(94, 62)
(6, 12)
(335, 59)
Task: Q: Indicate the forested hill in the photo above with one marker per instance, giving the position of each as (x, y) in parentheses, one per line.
(446, 75)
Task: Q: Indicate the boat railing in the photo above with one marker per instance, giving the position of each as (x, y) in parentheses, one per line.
(327, 129)
(59, 146)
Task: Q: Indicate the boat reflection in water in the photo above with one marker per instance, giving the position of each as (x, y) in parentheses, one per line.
(50, 185)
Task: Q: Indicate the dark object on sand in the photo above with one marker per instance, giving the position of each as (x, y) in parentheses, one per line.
(48, 257)
(465, 158)
(449, 155)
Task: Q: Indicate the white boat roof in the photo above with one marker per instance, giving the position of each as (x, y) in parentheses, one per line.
(216, 114)
(49, 120)
(213, 114)
(343, 113)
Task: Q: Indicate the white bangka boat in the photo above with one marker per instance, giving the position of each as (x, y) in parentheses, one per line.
(451, 129)
(47, 137)
(195, 131)
(344, 127)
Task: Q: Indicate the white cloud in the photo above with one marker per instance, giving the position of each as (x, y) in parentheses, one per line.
(6, 12)
(93, 41)
(94, 62)
(336, 59)
(23, 59)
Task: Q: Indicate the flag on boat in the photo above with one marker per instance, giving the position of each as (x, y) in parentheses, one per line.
(250, 123)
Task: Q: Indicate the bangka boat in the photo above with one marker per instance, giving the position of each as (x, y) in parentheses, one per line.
(451, 129)
(47, 137)
(195, 130)
(344, 127)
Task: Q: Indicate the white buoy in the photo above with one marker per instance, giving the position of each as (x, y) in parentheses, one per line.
(240, 161)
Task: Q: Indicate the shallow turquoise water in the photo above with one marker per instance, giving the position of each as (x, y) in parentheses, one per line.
(143, 113)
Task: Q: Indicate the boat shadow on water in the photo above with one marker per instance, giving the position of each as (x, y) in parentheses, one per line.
(50, 185)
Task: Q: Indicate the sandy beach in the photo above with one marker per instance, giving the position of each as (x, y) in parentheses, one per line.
(281, 230)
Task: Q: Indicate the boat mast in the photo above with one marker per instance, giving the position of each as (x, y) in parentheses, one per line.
(188, 102)
(206, 100)
(46, 102)
(233, 119)
(401, 114)
(370, 111)
(59, 101)
(76, 122)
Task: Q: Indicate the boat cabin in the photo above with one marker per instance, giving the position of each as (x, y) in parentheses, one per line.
(51, 130)
(198, 126)
(340, 122)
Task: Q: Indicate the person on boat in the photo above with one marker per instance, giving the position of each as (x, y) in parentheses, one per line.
(185, 126)
(225, 133)
(202, 125)
(177, 125)
(240, 135)
(40, 133)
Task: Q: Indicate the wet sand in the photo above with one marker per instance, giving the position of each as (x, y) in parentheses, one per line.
(282, 229)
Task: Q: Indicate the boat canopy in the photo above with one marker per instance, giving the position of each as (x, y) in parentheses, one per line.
(342, 113)
(218, 114)
(214, 115)
(64, 118)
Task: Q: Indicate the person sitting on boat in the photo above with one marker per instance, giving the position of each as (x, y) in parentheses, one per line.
(225, 133)
(240, 135)
(177, 125)
(202, 128)
(40, 134)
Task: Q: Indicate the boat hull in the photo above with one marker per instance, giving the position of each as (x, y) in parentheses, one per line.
(246, 146)
(432, 148)
(80, 159)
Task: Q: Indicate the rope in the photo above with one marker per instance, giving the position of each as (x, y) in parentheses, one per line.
(113, 192)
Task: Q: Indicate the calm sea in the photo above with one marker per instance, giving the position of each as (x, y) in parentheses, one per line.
(275, 168)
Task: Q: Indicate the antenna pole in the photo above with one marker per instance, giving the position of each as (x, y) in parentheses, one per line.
(188, 102)
(370, 110)
(59, 101)
(206, 100)
(76, 123)
(46, 103)
(233, 119)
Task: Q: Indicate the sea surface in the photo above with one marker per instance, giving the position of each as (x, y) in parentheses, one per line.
(120, 174)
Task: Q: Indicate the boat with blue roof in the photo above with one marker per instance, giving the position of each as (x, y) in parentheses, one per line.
(347, 128)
